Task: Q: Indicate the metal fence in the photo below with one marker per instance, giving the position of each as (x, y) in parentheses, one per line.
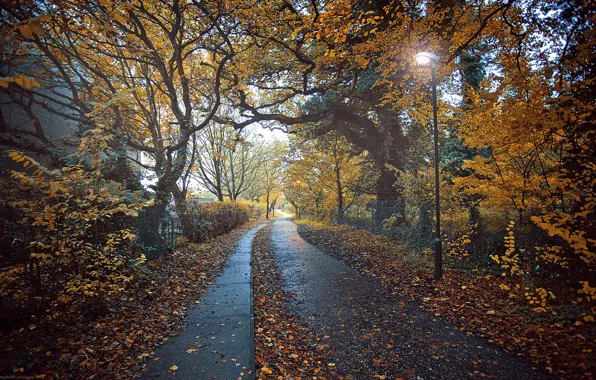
(372, 214)
(154, 243)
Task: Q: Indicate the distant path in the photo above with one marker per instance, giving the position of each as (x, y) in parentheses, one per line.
(372, 332)
(218, 341)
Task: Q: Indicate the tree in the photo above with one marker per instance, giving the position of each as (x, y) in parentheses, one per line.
(228, 161)
(271, 175)
(533, 118)
(244, 159)
(342, 67)
(151, 72)
(209, 167)
(328, 166)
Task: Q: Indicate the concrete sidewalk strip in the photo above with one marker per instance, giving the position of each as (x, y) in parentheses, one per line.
(218, 341)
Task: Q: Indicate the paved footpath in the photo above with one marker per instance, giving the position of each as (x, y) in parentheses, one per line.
(218, 341)
(373, 333)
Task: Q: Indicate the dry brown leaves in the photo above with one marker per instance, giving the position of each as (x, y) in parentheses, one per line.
(285, 349)
(118, 344)
(473, 302)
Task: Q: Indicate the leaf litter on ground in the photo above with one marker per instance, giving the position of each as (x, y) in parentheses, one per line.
(285, 348)
(119, 343)
(472, 302)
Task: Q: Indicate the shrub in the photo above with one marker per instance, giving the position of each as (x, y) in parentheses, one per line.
(78, 249)
(180, 242)
(256, 210)
(211, 219)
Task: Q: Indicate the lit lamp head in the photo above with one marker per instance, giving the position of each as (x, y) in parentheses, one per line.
(427, 59)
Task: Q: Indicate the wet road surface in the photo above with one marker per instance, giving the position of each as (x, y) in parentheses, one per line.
(372, 332)
(218, 341)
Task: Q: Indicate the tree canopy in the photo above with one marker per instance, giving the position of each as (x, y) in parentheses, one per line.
(172, 89)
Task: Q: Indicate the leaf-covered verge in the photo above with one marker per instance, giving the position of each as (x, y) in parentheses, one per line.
(118, 343)
(284, 348)
(468, 300)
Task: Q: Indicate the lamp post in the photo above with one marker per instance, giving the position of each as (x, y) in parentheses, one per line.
(430, 59)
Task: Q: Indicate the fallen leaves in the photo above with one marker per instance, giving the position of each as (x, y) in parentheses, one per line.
(466, 300)
(284, 348)
(117, 343)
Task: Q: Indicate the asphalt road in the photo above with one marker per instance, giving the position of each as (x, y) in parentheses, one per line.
(372, 332)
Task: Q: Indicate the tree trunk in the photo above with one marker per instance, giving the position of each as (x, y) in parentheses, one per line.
(475, 218)
(149, 234)
(273, 204)
(182, 211)
(267, 202)
(424, 226)
(340, 207)
(390, 200)
(340, 194)
(148, 229)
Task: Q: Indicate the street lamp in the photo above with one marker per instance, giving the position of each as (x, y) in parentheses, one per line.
(430, 59)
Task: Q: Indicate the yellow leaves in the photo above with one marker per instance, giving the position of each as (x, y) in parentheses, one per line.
(457, 246)
(41, 256)
(173, 368)
(16, 156)
(24, 82)
(61, 207)
(369, 32)
(119, 18)
(127, 234)
(296, 32)
(525, 174)
(26, 31)
(106, 3)
(266, 370)
(587, 290)
(509, 261)
(539, 299)
(64, 299)
(32, 27)
(35, 26)
(588, 318)
(504, 287)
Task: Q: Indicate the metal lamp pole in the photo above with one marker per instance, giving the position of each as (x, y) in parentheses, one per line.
(430, 59)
